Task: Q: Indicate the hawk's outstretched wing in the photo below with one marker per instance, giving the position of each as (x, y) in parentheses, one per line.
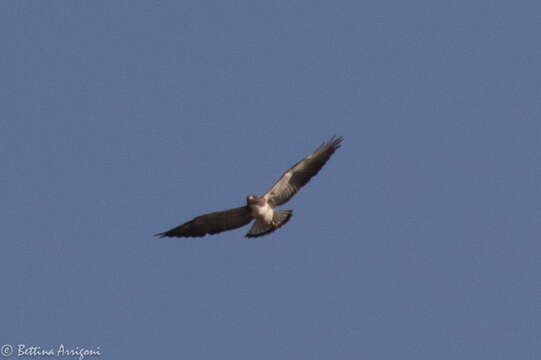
(212, 223)
(300, 173)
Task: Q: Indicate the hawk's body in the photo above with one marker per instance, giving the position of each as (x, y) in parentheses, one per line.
(262, 209)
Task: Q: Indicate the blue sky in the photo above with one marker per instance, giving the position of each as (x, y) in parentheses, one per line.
(419, 239)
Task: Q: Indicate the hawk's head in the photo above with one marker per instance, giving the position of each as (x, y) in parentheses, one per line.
(254, 200)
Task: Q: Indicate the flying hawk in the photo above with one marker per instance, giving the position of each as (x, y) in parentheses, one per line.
(267, 218)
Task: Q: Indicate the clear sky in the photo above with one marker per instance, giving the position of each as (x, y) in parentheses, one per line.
(420, 239)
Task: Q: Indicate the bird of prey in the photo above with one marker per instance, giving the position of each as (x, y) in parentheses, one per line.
(262, 209)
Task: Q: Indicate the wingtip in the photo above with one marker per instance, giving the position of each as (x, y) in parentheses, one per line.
(336, 142)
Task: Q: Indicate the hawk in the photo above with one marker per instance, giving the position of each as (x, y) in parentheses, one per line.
(262, 209)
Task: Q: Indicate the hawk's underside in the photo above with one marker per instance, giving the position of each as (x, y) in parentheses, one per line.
(261, 209)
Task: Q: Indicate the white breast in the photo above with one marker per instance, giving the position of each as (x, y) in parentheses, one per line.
(264, 212)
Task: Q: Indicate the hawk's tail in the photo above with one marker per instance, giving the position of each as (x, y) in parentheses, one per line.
(260, 228)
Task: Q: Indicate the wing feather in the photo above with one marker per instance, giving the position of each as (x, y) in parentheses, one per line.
(211, 223)
(300, 173)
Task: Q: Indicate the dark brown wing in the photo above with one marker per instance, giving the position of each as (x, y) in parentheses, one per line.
(212, 223)
(300, 173)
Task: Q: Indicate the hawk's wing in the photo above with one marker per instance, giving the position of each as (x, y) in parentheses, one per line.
(212, 223)
(300, 173)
